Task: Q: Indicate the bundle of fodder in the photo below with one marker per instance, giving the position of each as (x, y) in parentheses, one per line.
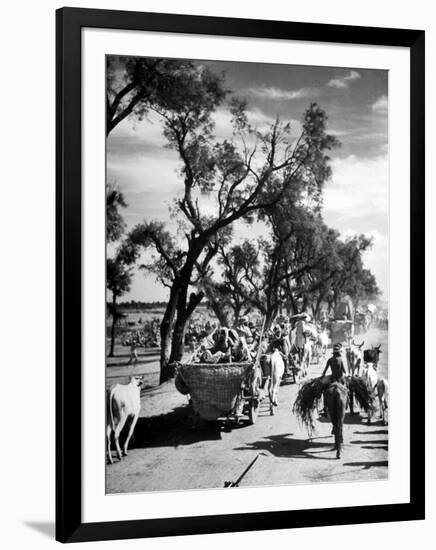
(307, 402)
(214, 388)
(363, 393)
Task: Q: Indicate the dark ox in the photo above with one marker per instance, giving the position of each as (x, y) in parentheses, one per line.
(372, 355)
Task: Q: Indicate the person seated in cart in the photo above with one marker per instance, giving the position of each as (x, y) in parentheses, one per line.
(243, 329)
(336, 365)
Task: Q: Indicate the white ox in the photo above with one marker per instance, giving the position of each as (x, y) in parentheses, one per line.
(382, 389)
(275, 368)
(304, 333)
(123, 402)
(380, 386)
(370, 375)
(354, 356)
(323, 341)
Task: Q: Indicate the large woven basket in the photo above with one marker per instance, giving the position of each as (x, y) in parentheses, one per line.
(214, 388)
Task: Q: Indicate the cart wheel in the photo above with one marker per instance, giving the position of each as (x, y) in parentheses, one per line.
(254, 410)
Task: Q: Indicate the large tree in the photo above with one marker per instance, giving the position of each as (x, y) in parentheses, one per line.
(118, 281)
(118, 274)
(241, 175)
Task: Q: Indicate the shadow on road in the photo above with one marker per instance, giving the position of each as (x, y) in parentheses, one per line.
(370, 441)
(177, 427)
(284, 446)
(349, 419)
(367, 465)
(356, 419)
(373, 432)
(141, 361)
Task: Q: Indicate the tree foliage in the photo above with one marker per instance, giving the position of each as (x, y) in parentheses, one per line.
(118, 281)
(135, 84)
(118, 277)
(304, 267)
(115, 224)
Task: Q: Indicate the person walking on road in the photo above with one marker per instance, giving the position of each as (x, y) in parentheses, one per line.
(133, 350)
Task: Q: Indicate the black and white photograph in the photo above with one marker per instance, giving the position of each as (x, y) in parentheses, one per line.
(218, 275)
(247, 274)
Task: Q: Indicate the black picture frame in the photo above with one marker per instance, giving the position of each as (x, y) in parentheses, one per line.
(69, 23)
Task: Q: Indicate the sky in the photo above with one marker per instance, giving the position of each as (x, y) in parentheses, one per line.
(356, 197)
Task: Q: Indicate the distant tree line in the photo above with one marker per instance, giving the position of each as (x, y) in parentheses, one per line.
(133, 304)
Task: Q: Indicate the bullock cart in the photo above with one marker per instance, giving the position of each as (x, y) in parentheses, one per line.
(222, 391)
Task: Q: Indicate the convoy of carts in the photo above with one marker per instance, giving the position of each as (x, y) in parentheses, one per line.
(233, 391)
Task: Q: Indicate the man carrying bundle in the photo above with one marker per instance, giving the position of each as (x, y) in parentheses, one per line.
(337, 368)
(335, 389)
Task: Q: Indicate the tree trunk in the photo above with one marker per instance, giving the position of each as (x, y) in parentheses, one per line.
(292, 310)
(219, 312)
(269, 318)
(237, 314)
(114, 319)
(178, 303)
(185, 309)
(316, 308)
(166, 335)
(178, 342)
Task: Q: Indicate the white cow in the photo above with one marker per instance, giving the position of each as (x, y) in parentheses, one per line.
(123, 402)
(382, 389)
(370, 375)
(275, 368)
(323, 341)
(354, 356)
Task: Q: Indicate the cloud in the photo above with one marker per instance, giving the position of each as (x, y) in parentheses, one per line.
(357, 201)
(272, 92)
(223, 122)
(339, 133)
(359, 187)
(344, 81)
(381, 105)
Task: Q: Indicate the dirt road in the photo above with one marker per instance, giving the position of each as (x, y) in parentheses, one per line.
(174, 449)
